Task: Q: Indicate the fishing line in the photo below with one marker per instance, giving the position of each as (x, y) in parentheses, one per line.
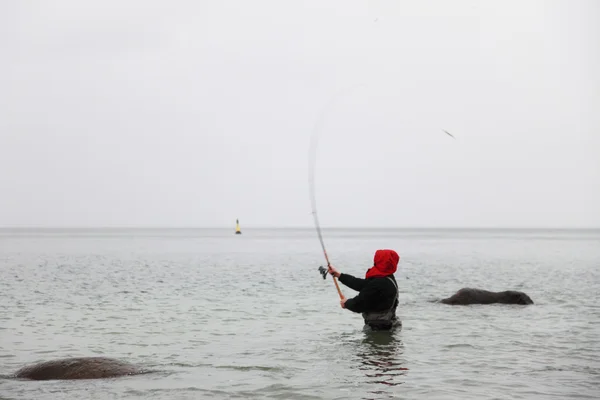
(311, 175)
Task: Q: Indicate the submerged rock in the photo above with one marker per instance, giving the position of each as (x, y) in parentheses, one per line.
(466, 296)
(77, 368)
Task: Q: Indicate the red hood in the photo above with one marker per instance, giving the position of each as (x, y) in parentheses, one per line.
(385, 263)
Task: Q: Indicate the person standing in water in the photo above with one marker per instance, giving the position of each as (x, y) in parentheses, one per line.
(377, 299)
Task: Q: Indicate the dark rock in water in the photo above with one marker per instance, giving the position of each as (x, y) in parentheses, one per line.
(77, 368)
(466, 296)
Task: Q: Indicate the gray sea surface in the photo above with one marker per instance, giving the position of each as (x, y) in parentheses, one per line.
(224, 316)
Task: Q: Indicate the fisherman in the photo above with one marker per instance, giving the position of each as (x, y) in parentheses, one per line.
(377, 299)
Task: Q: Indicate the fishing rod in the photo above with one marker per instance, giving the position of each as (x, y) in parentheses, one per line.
(311, 178)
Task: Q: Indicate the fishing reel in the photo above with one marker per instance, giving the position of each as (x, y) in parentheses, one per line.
(323, 271)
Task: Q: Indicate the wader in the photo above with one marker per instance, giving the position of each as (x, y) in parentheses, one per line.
(383, 320)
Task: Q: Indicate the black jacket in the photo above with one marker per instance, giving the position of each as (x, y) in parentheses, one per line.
(375, 294)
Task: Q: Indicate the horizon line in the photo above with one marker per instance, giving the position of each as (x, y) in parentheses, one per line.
(251, 227)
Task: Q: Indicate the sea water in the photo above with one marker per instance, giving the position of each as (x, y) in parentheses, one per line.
(219, 315)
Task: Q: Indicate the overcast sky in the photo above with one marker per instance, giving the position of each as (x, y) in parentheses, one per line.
(191, 113)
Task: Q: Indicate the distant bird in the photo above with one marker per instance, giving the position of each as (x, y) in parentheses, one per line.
(448, 133)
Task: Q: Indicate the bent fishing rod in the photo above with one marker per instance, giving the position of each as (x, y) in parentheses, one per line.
(311, 178)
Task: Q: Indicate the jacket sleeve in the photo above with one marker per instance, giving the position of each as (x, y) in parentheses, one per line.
(352, 282)
(361, 302)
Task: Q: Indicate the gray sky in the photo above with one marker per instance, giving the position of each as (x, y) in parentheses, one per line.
(190, 113)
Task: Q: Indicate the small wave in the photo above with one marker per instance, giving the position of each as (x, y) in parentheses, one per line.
(461, 345)
(278, 390)
(170, 390)
(250, 368)
(189, 365)
(575, 368)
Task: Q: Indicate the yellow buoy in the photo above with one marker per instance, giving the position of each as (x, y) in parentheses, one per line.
(238, 231)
